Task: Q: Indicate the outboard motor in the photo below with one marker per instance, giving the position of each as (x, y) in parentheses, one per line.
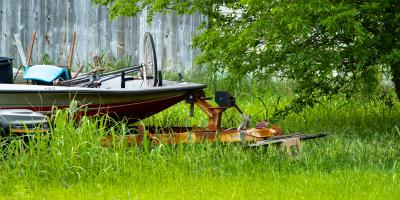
(22, 122)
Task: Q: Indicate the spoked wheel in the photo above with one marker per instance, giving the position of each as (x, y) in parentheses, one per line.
(149, 70)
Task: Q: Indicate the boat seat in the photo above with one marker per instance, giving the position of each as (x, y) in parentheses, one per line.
(45, 74)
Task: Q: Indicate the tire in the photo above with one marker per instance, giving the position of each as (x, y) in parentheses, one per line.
(150, 60)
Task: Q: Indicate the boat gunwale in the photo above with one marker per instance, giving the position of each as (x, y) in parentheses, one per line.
(76, 90)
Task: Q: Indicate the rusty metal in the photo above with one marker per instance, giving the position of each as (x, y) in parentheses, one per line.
(213, 132)
(71, 54)
(214, 113)
(251, 137)
(176, 135)
(29, 131)
(78, 71)
(28, 60)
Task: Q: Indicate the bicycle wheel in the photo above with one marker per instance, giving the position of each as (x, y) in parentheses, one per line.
(149, 71)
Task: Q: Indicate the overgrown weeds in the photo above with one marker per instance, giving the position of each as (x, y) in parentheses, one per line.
(360, 156)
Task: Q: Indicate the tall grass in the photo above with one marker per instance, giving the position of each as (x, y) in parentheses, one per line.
(358, 160)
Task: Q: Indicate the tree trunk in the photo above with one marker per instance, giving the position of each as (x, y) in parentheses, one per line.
(395, 68)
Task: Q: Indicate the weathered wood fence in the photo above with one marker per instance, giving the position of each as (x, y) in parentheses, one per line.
(56, 20)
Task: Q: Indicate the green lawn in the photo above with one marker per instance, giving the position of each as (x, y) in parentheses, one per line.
(359, 160)
(341, 184)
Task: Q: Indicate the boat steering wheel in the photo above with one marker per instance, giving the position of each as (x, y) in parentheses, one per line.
(149, 69)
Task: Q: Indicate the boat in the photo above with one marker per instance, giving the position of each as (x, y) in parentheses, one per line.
(130, 102)
(97, 93)
(123, 96)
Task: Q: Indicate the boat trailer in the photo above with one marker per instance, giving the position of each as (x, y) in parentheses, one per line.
(261, 135)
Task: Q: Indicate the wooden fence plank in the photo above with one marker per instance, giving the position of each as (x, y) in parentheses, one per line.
(56, 20)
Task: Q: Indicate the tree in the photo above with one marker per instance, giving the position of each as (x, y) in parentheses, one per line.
(326, 46)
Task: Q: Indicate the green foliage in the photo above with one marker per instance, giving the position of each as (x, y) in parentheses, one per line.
(109, 63)
(46, 60)
(360, 160)
(327, 47)
(133, 7)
